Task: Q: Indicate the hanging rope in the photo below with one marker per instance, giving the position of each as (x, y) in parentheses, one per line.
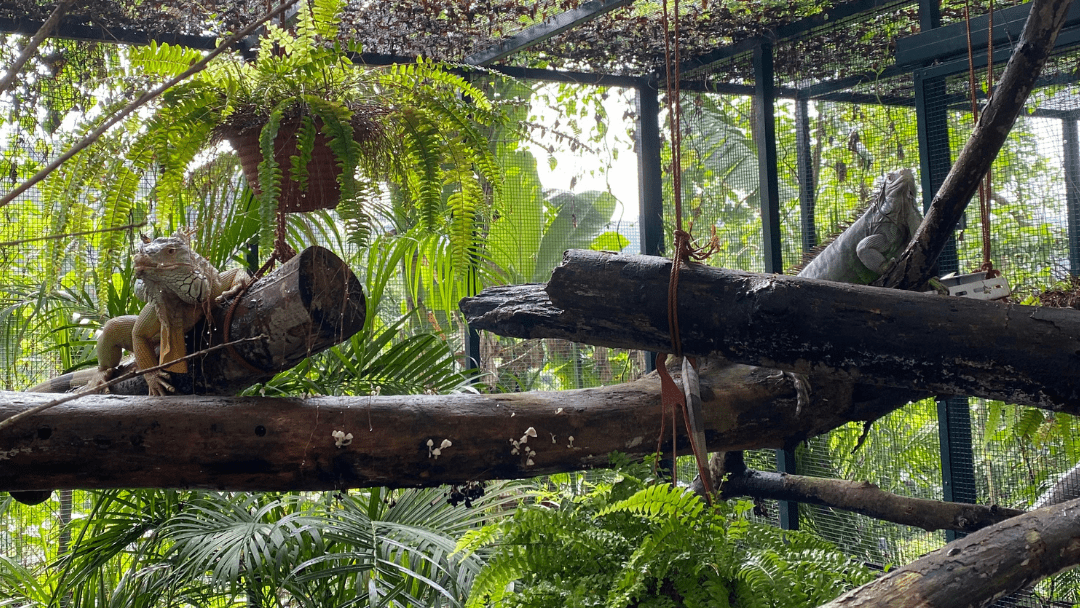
(671, 397)
(985, 186)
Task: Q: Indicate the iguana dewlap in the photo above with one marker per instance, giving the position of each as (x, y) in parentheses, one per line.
(867, 248)
(179, 287)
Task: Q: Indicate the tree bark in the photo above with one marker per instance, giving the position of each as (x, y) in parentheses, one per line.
(883, 337)
(307, 305)
(250, 443)
(867, 499)
(915, 264)
(981, 567)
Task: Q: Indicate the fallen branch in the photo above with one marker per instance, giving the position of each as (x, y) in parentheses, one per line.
(867, 499)
(983, 566)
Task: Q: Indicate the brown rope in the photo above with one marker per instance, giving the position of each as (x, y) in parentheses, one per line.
(986, 201)
(985, 185)
(671, 397)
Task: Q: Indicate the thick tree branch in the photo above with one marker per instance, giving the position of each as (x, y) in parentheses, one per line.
(874, 336)
(105, 441)
(1036, 43)
(981, 567)
(867, 499)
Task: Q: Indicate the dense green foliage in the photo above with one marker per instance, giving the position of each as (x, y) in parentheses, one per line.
(626, 540)
(170, 548)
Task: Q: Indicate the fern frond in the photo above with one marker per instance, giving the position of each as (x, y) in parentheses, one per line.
(351, 210)
(660, 501)
(163, 60)
(464, 206)
(269, 180)
(423, 148)
(476, 539)
(324, 18)
(116, 209)
(490, 586)
(337, 127)
(305, 143)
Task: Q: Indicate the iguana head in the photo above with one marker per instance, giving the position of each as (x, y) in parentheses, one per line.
(168, 263)
(899, 196)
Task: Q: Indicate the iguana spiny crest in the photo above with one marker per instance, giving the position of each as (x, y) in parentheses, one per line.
(867, 248)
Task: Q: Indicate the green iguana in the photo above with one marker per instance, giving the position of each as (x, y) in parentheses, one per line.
(869, 246)
(179, 287)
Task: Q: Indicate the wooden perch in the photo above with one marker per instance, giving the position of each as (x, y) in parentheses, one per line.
(250, 443)
(304, 307)
(981, 567)
(867, 499)
(885, 337)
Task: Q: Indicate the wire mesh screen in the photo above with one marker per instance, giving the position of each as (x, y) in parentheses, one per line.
(1026, 230)
(720, 183)
(570, 185)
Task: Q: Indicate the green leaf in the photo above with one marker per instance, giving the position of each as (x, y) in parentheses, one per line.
(610, 241)
(579, 218)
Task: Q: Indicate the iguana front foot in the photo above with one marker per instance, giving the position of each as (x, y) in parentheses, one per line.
(100, 378)
(801, 383)
(156, 383)
(238, 280)
(232, 291)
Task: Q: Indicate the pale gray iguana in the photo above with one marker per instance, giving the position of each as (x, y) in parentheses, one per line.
(179, 287)
(870, 245)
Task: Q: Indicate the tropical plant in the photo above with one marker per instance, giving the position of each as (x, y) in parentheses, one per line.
(629, 541)
(164, 547)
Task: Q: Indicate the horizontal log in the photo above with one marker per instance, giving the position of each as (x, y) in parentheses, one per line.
(252, 443)
(981, 567)
(1027, 355)
(867, 499)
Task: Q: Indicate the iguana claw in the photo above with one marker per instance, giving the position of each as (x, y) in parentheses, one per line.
(156, 383)
(99, 379)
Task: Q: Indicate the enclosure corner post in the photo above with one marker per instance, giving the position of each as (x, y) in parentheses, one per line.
(650, 176)
(1071, 141)
(805, 172)
(765, 139)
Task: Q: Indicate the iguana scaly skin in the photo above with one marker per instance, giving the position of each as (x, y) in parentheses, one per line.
(868, 247)
(179, 287)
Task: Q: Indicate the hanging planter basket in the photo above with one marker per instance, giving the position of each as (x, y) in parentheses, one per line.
(322, 190)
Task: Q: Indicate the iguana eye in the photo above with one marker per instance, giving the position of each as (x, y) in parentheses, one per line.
(172, 250)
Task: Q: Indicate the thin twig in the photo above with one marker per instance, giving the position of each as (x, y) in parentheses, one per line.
(143, 99)
(71, 234)
(5, 423)
(34, 43)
